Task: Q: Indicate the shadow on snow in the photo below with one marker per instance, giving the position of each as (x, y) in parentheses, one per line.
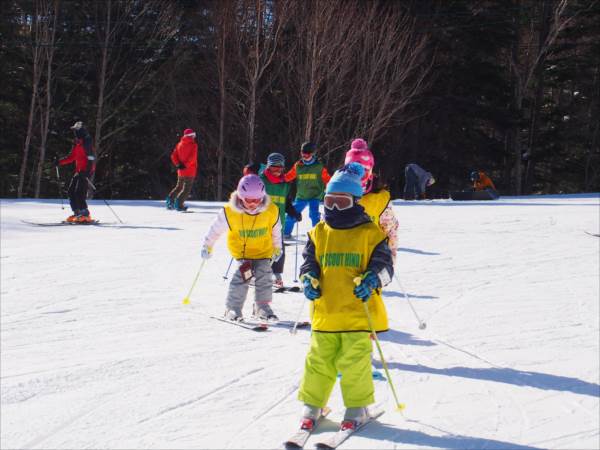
(510, 376)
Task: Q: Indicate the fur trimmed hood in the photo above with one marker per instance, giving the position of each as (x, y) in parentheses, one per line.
(236, 204)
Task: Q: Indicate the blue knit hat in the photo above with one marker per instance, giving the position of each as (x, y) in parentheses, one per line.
(347, 180)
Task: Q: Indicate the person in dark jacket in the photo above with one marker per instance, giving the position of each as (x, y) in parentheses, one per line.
(416, 181)
(346, 263)
(82, 154)
(185, 159)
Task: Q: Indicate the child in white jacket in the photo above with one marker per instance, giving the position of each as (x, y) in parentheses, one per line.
(254, 241)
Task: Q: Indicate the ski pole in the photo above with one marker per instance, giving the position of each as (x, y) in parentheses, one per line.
(422, 324)
(227, 271)
(399, 406)
(296, 266)
(293, 330)
(104, 200)
(186, 299)
(60, 188)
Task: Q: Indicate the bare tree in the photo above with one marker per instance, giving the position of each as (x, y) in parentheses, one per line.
(225, 17)
(356, 72)
(49, 37)
(132, 40)
(36, 33)
(259, 25)
(527, 55)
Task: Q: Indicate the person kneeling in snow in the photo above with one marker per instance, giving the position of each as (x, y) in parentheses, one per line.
(254, 240)
(345, 247)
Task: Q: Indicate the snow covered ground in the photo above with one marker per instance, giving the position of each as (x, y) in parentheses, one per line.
(98, 351)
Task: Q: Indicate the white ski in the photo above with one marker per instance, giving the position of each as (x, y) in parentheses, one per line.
(339, 437)
(298, 440)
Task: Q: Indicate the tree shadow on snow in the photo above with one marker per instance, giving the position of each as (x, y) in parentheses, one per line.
(416, 251)
(418, 438)
(387, 293)
(537, 380)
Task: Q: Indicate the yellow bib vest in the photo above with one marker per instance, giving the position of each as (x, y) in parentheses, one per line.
(343, 255)
(375, 203)
(249, 236)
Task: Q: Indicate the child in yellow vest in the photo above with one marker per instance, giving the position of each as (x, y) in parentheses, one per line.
(346, 245)
(376, 198)
(254, 241)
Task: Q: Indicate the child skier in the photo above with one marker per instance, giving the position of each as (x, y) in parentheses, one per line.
(347, 245)
(82, 155)
(278, 189)
(376, 198)
(254, 240)
(311, 178)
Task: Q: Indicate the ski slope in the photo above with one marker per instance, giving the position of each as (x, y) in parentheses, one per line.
(98, 351)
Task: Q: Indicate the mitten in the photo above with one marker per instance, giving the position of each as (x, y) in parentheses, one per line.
(365, 285)
(312, 291)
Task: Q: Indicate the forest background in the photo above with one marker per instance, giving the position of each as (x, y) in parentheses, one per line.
(511, 87)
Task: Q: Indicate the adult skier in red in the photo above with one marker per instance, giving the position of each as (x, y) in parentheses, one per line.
(82, 154)
(185, 158)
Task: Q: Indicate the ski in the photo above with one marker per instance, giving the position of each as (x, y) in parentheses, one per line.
(244, 324)
(63, 223)
(290, 324)
(298, 440)
(339, 437)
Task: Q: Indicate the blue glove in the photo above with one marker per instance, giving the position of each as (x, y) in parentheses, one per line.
(310, 282)
(365, 285)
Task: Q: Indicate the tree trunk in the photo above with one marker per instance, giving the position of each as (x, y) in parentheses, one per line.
(45, 113)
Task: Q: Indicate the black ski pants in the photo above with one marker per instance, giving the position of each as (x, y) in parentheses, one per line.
(412, 189)
(78, 192)
(277, 266)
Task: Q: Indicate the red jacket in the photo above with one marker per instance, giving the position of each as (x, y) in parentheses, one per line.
(186, 153)
(79, 156)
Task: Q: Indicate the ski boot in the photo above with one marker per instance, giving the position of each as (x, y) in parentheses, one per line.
(264, 312)
(169, 202)
(235, 315)
(310, 414)
(179, 207)
(353, 418)
(83, 217)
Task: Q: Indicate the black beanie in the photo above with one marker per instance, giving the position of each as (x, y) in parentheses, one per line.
(308, 147)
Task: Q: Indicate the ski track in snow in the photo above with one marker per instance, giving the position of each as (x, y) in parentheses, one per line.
(99, 352)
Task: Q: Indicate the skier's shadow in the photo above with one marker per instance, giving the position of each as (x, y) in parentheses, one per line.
(414, 438)
(388, 293)
(416, 251)
(399, 337)
(143, 227)
(506, 375)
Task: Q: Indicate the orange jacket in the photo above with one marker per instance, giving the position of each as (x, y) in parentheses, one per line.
(291, 174)
(483, 182)
(186, 153)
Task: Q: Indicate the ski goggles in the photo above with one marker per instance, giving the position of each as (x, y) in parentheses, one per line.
(251, 203)
(339, 201)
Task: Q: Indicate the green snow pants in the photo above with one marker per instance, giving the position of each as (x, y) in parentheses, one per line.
(347, 353)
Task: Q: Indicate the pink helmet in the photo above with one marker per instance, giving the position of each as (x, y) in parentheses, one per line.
(359, 152)
(250, 186)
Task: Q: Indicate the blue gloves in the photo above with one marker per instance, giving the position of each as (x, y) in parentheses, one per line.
(365, 285)
(310, 282)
